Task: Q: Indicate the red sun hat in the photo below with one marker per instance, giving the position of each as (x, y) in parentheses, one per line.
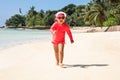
(60, 14)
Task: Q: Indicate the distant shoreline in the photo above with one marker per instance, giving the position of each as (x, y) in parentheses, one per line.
(26, 27)
(82, 29)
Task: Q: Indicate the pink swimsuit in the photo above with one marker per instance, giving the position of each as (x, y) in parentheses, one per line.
(59, 36)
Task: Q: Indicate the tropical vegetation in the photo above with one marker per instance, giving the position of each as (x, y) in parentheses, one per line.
(95, 13)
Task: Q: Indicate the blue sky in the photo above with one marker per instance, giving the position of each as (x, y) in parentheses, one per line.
(10, 7)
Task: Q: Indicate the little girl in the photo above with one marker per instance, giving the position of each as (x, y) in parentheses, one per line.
(58, 30)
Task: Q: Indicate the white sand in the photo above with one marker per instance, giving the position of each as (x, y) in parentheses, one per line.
(93, 56)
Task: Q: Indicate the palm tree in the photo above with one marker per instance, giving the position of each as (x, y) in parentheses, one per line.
(32, 11)
(49, 18)
(113, 1)
(108, 1)
(31, 16)
(95, 15)
(39, 18)
(85, 14)
(115, 12)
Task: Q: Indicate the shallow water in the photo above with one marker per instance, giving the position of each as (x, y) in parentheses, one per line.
(10, 37)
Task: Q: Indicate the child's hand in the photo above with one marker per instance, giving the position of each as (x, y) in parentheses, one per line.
(72, 41)
(54, 32)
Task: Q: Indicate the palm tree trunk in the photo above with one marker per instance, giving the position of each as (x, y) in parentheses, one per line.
(107, 29)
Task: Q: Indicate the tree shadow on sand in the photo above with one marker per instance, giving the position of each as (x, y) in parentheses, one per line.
(84, 65)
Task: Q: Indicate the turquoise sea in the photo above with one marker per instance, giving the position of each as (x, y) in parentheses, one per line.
(11, 37)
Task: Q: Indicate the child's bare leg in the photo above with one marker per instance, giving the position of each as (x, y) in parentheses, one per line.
(56, 53)
(61, 54)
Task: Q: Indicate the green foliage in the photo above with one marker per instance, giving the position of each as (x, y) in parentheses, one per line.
(110, 22)
(31, 17)
(49, 18)
(69, 9)
(115, 12)
(96, 12)
(16, 21)
(94, 15)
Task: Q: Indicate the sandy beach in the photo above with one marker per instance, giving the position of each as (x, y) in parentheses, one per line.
(93, 56)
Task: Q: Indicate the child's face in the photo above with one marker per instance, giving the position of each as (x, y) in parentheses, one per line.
(61, 20)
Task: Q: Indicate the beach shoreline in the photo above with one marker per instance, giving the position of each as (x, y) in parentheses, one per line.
(93, 56)
(13, 37)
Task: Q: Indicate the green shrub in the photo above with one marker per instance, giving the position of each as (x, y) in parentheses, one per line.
(110, 22)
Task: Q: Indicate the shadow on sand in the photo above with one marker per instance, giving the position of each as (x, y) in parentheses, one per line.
(84, 65)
